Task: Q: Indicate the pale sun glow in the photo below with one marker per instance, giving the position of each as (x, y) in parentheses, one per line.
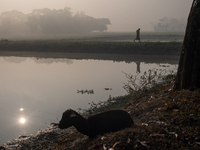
(22, 120)
(21, 109)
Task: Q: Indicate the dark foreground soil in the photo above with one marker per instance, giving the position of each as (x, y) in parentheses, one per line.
(164, 119)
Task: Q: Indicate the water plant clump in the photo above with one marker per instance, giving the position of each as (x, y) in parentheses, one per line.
(136, 87)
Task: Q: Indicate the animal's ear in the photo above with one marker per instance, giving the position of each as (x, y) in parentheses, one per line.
(72, 115)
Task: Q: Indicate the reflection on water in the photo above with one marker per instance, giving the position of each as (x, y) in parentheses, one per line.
(22, 120)
(85, 91)
(138, 67)
(35, 92)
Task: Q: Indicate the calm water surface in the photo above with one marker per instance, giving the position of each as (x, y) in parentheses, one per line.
(35, 92)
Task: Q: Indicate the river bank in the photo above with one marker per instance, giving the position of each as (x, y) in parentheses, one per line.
(164, 119)
(99, 47)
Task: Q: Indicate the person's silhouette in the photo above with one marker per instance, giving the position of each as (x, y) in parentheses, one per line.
(137, 35)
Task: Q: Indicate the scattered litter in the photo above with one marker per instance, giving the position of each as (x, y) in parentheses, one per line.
(176, 135)
(103, 137)
(170, 90)
(143, 143)
(104, 147)
(175, 110)
(112, 148)
(114, 145)
(198, 143)
(144, 124)
(151, 98)
(107, 89)
(159, 122)
(129, 140)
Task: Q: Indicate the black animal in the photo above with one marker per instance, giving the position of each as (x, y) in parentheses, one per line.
(100, 123)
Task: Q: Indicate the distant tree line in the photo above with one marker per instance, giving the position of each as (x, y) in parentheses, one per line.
(170, 24)
(47, 21)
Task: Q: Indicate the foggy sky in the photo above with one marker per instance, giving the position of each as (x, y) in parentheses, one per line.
(124, 15)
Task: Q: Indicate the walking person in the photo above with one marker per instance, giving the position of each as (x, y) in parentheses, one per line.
(137, 35)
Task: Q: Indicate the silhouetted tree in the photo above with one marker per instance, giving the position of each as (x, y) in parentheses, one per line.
(12, 23)
(172, 24)
(188, 76)
(49, 22)
(62, 21)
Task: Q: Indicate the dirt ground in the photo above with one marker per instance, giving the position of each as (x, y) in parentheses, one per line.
(163, 119)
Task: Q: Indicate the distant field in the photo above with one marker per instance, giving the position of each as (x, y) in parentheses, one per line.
(106, 42)
(129, 36)
(107, 36)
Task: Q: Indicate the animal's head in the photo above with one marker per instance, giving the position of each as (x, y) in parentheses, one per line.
(67, 119)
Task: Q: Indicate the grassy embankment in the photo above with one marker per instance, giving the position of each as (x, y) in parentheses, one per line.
(59, 46)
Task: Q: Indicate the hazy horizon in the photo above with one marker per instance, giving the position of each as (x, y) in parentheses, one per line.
(110, 16)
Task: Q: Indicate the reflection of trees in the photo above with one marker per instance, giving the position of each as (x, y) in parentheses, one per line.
(138, 67)
(52, 60)
(16, 60)
(61, 57)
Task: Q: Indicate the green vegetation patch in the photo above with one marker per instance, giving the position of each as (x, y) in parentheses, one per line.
(160, 48)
